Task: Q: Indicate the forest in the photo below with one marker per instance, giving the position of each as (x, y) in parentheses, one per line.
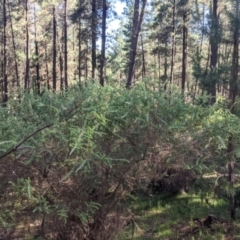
(119, 119)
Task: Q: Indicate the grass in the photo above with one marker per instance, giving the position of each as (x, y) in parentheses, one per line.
(172, 217)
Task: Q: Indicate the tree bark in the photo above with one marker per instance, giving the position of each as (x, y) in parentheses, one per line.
(79, 49)
(184, 46)
(94, 38)
(136, 28)
(143, 59)
(65, 46)
(46, 65)
(233, 94)
(26, 79)
(5, 77)
(54, 56)
(14, 47)
(60, 58)
(103, 50)
(36, 55)
(214, 35)
(173, 41)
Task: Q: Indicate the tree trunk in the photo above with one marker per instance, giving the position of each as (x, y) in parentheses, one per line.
(86, 63)
(173, 41)
(143, 60)
(233, 94)
(26, 79)
(5, 78)
(103, 60)
(65, 46)
(214, 35)
(165, 66)
(14, 47)
(136, 28)
(60, 50)
(184, 47)
(54, 66)
(46, 64)
(159, 62)
(36, 55)
(79, 49)
(94, 38)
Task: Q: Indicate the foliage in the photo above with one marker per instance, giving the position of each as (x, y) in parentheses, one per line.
(94, 146)
(164, 217)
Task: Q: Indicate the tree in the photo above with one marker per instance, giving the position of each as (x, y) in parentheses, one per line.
(94, 38)
(173, 41)
(103, 50)
(184, 12)
(65, 46)
(54, 61)
(26, 79)
(214, 41)
(36, 60)
(4, 72)
(136, 28)
(14, 46)
(235, 27)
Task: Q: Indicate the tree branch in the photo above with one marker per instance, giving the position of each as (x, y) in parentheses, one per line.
(24, 140)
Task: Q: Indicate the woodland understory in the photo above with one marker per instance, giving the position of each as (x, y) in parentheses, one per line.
(119, 132)
(72, 163)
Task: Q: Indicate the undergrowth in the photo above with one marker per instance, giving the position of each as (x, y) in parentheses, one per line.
(174, 217)
(69, 160)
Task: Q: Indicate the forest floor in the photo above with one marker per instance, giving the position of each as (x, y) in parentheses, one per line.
(183, 217)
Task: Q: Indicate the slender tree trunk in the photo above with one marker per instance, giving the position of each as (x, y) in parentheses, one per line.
(94, 38)
(46, 65)
(86, 62)
(14, 47)
(54, 56)
(233, 94)
(165, 67)
(5, 77)
(65, 46)
(184, 46)
(79, 49)
(143, 60)
(75, 55)
(103, 60)
(203, 25)
(173, 41)
(60, 60)
(133, 47)
(136, 28)
(37, 55)
(26, 79)
(214, 51)
(61, 70)
(159, 62)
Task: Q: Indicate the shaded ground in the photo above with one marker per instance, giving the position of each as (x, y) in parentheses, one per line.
(180, 218)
